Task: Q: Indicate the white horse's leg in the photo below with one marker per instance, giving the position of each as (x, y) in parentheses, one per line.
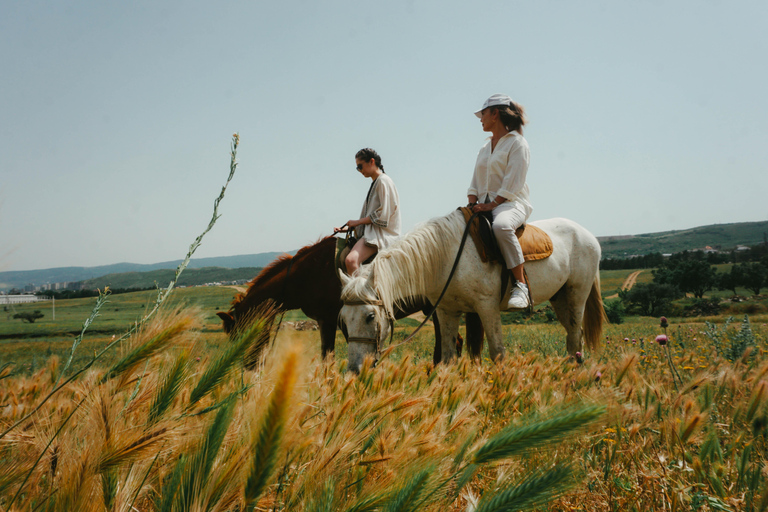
(569, 308)
(449, 331)
(491, 319)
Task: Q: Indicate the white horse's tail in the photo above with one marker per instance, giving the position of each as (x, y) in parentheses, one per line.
(594, 316)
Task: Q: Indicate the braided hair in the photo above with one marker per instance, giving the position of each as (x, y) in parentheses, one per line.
(366, 154)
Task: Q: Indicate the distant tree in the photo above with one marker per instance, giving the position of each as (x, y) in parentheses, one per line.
(614, 310)
(690, 274)
(649, 299)
(29, 317)
(730, 280)
(754, 276)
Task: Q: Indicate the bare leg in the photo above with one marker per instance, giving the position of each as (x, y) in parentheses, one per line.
(358, 254)
(518, 273)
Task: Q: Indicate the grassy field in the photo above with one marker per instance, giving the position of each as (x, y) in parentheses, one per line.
(171, 420)
(679, 427)
(31, 345)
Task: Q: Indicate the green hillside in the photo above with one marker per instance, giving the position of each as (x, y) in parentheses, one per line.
(723, 237)
(190, 277)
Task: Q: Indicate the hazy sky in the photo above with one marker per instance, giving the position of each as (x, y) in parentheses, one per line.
(116, 117)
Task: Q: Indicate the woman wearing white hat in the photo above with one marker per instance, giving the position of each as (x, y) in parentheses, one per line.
(498, 184)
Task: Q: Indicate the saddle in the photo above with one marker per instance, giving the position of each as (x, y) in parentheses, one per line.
(536, 244)
(343, 246)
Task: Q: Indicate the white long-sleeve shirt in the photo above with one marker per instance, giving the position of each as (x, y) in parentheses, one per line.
(503, 171)
(382, 206)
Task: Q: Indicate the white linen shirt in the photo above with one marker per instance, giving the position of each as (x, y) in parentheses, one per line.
(503, 171)
(382, 206)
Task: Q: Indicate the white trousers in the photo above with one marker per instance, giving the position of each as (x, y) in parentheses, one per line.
(507, 217)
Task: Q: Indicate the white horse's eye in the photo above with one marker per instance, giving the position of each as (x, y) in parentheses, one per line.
(370, 317)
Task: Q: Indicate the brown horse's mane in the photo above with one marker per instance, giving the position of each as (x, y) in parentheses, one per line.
(275, 267)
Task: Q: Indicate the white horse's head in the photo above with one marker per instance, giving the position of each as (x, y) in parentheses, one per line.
(365, 319)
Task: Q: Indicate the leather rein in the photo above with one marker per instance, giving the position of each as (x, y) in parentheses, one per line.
(379, 303)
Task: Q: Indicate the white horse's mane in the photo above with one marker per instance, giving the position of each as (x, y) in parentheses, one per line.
(406, 269)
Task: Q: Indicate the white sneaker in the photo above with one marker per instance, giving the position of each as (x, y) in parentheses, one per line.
(519, 297)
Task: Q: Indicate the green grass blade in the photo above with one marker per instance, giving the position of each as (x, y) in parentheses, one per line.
(324, 502)
(149, 348)
(370, 503)
(269, 436)
(517, 439)
(408, 497)
(198, 470)
(171, 487)
(169, 389)
(234, 353)
(534, 491)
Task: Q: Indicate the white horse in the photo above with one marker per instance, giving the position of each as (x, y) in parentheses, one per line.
(418, 265)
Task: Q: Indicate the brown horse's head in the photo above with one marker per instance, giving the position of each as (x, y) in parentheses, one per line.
(228, 320)
(291, 282)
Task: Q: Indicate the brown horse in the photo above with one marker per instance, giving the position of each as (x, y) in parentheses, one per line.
(308, 281)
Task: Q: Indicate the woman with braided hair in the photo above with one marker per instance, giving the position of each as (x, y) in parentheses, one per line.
(498, 184)
(379, 222)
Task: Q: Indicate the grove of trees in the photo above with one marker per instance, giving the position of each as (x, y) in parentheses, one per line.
(692, 273)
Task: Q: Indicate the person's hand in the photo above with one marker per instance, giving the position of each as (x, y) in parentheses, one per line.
(342, 229)
(353, 223)
(484, 207)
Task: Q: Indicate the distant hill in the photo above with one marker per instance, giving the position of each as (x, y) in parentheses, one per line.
(161, 278)
(718, 236)
(22, 278)
(722, 237)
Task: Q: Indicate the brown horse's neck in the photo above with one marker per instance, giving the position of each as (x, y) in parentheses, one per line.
(292, 281)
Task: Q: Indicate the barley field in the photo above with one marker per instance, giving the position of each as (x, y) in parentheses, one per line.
(179, 418)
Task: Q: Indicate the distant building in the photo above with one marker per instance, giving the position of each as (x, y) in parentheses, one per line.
(21, 299)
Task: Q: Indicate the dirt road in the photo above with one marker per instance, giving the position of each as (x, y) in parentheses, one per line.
(628, 283)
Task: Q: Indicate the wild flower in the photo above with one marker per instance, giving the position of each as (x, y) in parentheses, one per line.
(661, 339)
(664, 323)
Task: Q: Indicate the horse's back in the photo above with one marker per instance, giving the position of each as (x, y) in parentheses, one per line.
(571, 237)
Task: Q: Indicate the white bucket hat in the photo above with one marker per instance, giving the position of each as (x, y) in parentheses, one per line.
(496, 99)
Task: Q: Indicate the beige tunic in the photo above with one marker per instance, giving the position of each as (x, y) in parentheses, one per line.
(382, 206)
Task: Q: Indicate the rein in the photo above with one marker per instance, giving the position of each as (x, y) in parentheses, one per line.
(371, 340)
(379, 303)
(445, 288)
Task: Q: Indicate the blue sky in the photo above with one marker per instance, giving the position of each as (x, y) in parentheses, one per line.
(116, 117)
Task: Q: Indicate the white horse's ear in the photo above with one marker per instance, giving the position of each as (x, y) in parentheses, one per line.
(345, 279)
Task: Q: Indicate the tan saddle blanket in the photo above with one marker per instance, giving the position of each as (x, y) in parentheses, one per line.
(536, 244)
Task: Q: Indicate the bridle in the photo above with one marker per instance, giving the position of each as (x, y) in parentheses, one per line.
(379, 303)
(367, 339)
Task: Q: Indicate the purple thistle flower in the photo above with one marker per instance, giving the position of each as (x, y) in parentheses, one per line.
(664, 322)
(661, 339)
(597, 376)
(579, 358)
